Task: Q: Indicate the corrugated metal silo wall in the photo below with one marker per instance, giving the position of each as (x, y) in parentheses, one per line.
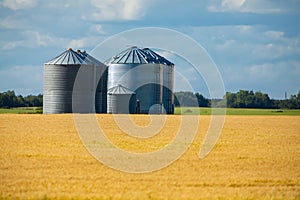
(144, 79)
(101, 90)
(84, 91)
(58, 88)
(121, 103)
(168, 88)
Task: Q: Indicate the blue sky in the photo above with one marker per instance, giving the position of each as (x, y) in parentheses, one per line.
(254, 43)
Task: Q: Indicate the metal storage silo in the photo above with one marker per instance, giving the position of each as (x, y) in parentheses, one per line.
(168, 80)
(101, 76)
(59, 77)
(135, 70)
(121, 100)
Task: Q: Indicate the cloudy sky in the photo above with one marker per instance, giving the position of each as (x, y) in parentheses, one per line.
(254, 43)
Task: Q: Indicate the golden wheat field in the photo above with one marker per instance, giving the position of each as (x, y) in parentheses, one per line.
(256, 157)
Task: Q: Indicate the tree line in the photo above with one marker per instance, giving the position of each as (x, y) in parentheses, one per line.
(240, 99)
(9, 99)
(190, 99)
(250, 99)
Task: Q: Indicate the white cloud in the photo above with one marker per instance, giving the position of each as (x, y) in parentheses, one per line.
(33, 39)
(96, 28)
(10, 22)
(272, 77)
(12, 45)
(274, 34)
(133, 9)
(39, 39)
(232, 4)
(273, 71)
(247, 44)
(84, 42)
(107, 10)
(262, 71)
(253, 57)
(166, 54)
(19, 4)
(25, 79)
(250, 6)
(276, 46)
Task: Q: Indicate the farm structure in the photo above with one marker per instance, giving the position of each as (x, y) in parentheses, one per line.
(59, 78)
(121, 100)
(146, 78)
(148, 74)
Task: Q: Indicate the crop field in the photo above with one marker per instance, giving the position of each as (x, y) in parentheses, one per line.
(235, 111)
(256, 157)
(181, 110)
(22, 110)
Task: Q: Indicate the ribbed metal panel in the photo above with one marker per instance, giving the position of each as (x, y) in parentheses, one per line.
(155, 57)
(144, 79)
(121, 103)
(131, 56)
(69, 57)
(121, 100)
(150, 98)
(58, 88)
(59, 77)
(168, 80)
(101, 92)
(168, 88)
(101, 74)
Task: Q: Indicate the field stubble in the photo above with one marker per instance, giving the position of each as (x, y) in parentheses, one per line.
(255, 157)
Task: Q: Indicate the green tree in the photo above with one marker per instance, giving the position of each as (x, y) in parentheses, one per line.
(262, 100)
(187, 99)
(202, 101)
(241, 98)
(250, 100)
(20, 101)
(32, 100)
(9, 99)
(231, 99)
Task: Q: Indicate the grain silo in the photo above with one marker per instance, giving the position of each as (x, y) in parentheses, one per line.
(101, 77)
(168, 80)
(137, 71)
(121, 100)
(59, 77)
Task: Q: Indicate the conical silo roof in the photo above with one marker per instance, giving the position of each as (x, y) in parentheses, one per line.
(158, 58)
(120, 89)
(87, 57)
(69, 57)
(132, 55)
